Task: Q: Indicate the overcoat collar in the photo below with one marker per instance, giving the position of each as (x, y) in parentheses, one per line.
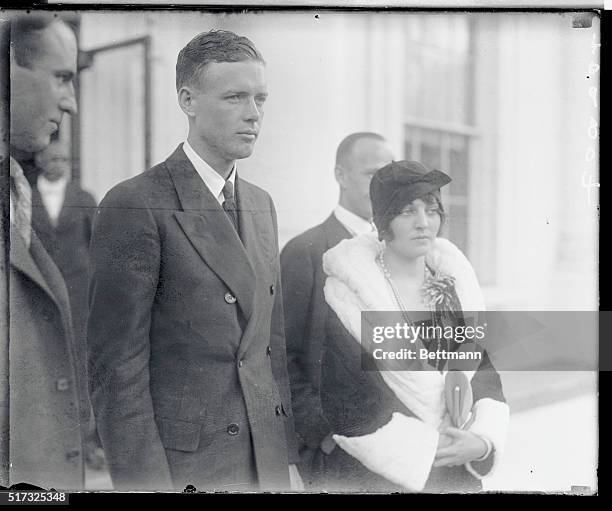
(22, 260)
(35, 263)
(211, 232)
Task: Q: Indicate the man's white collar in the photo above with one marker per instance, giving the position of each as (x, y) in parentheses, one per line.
(353, 223)
(211, 178)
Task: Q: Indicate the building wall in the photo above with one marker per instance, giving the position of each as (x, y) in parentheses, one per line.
(545, 229)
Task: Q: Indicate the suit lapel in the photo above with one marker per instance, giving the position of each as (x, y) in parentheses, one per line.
(258, 238)
(211, 232)
(67, 213)
(40, 217)
(335, 232)
(255, 231)
(54, 279)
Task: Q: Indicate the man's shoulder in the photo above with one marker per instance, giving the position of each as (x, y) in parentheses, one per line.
(313, 241)
(77, 196)
(139, 188)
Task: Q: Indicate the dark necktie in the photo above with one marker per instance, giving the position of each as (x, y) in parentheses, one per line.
(229, 205)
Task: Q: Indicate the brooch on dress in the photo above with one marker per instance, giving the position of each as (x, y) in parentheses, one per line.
(438, 291)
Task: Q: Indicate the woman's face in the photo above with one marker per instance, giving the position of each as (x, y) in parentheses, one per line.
(415, 228)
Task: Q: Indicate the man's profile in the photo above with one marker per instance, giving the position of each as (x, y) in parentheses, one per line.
(43, 445)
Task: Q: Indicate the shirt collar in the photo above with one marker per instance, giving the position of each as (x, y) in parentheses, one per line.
(353, 223)
(210, 176)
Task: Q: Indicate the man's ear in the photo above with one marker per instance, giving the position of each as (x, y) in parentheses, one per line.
(187, 100)
(340, 173)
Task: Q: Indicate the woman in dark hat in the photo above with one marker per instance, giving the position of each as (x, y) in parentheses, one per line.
(396, 430)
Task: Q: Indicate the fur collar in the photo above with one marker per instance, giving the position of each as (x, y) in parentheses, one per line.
(353, 261)
(355, 283)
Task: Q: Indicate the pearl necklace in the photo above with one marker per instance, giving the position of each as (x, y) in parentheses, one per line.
(403, 309)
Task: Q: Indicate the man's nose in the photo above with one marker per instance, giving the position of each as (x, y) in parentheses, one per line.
(68, 102)
(251, 111)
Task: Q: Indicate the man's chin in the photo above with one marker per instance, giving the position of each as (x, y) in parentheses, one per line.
(242, 153)
(39, 144)
(29, 147)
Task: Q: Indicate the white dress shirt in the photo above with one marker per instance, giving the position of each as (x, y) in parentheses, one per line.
(353, 223)
(52, 194)
(210, 176)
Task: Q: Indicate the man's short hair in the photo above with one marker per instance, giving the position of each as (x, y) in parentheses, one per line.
(25, 34)
(346, 146)
(214, 46)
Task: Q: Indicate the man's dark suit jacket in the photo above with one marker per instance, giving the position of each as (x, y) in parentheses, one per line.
(186, 342)
(306, 314)
(68, 245)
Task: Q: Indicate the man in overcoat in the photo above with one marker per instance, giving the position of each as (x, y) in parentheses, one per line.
(41, 439)
(185, 337)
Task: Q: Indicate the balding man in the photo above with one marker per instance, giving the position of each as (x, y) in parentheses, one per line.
(358, 157)
(43, 444)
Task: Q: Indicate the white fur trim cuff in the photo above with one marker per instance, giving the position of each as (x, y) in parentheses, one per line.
(490, 422)
(401, 451)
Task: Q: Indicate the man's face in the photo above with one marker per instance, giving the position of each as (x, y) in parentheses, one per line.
(43, 92)
(54, 161)
(228, 109)
(367, 156)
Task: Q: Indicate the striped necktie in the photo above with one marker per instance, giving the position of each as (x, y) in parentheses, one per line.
(229, 205)
(22, 217)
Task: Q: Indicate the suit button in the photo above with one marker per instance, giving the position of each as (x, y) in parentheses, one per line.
(272, 289)
(230, 298)
(72, 454)
(269, 351)
(62, 384)
(240, 363)
(233, 429)
(278, 410)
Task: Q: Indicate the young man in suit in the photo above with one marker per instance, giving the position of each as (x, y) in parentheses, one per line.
(358, 157)
(186, 341)
(42, 445)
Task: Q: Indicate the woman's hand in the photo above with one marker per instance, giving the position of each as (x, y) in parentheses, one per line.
(465, 446)
(444, 441)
